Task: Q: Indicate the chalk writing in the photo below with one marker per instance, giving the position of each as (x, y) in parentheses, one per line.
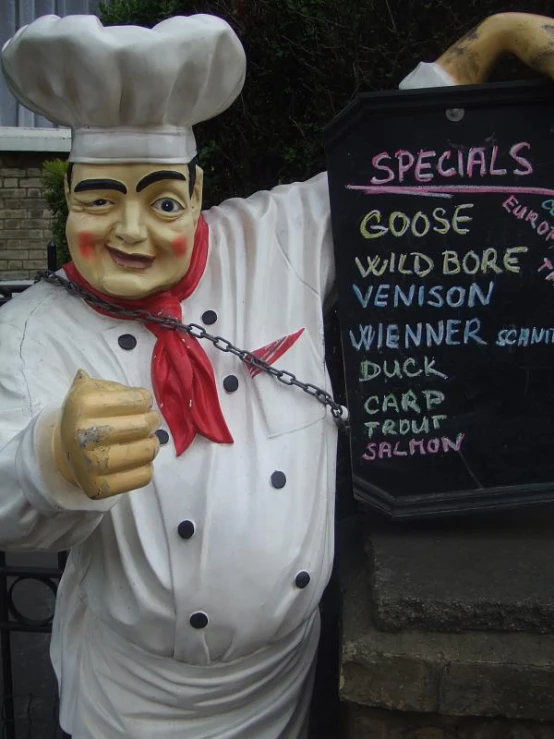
(485, 261)
(548, 205)
(404, 426)
(451, 332)
(529, 216)
(395, 368)
(448, 191)
(524, 336)
(387, 295)
(547, 265)
(419, 224)
(472, 262)
(428, 165)
(388, 450)
(406, 401)
(407, 412)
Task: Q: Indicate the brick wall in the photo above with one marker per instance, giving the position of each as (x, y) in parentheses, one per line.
(24, 218)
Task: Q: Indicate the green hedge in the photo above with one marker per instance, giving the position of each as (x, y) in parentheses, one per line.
(306, 60)
(53, 173)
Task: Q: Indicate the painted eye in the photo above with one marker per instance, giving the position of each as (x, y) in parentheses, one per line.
(99, 203)
(167, 205)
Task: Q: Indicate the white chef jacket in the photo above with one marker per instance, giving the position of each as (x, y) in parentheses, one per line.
(127, 647)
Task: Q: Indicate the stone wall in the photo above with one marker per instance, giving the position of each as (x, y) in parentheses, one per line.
(372, 723)
(448, 626)
(24, 218)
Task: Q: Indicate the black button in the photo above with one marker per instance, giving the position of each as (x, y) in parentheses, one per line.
(186, 529)
(302, 579)
(278, 479)
(231, 383)
(209, 317)
(162, 435)
(198, 620)
(127, 341)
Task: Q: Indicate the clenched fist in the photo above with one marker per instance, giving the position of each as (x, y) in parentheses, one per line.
(104, 442)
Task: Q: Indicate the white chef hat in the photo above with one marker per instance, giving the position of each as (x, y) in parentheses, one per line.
(129, 94)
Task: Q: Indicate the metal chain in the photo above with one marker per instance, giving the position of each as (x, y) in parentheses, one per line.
(143, 316)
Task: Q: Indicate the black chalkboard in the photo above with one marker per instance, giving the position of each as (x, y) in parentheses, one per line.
(442, 205)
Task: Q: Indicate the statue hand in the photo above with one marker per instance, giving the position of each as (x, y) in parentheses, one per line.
(530, 37)
(104, 442)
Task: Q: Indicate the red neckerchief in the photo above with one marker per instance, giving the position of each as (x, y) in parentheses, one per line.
(182, 375)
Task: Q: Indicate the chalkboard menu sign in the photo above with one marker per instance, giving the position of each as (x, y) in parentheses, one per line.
(442, 205)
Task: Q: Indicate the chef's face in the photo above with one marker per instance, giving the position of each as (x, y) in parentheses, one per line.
(131, 227)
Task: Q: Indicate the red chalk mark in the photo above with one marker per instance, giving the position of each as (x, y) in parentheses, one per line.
(447, 191)
(86, 245)
(180, 246)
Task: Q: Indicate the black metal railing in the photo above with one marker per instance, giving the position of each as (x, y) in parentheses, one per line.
(24, 712)
(9, 288)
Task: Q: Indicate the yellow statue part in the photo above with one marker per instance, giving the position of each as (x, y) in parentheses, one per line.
(131, 227)
(530, 37)
(104, 442)
(130, 232)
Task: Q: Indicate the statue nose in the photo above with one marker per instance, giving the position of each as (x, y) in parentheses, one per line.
(131, 228)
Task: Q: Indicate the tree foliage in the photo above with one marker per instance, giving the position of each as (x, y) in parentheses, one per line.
(52, 178)
(306, 60)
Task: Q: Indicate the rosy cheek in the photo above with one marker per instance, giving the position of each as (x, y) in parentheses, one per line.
(179, 246)
(86, 245)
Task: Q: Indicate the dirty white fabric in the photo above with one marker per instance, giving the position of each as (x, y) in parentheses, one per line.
(427, 74)
(132, 583)
(129, 94)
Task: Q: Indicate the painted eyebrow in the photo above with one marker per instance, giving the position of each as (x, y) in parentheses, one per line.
(100, 185)
(161, 174)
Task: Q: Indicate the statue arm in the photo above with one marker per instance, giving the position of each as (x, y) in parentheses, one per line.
(39, 509)
(529, 37)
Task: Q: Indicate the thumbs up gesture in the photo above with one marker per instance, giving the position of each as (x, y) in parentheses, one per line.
(105, 441)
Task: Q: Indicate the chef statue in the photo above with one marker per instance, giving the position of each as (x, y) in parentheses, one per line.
(194, 491)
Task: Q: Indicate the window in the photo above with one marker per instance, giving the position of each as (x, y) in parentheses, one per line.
(13, 15)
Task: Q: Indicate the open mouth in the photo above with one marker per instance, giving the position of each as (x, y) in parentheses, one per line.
(130, 261)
